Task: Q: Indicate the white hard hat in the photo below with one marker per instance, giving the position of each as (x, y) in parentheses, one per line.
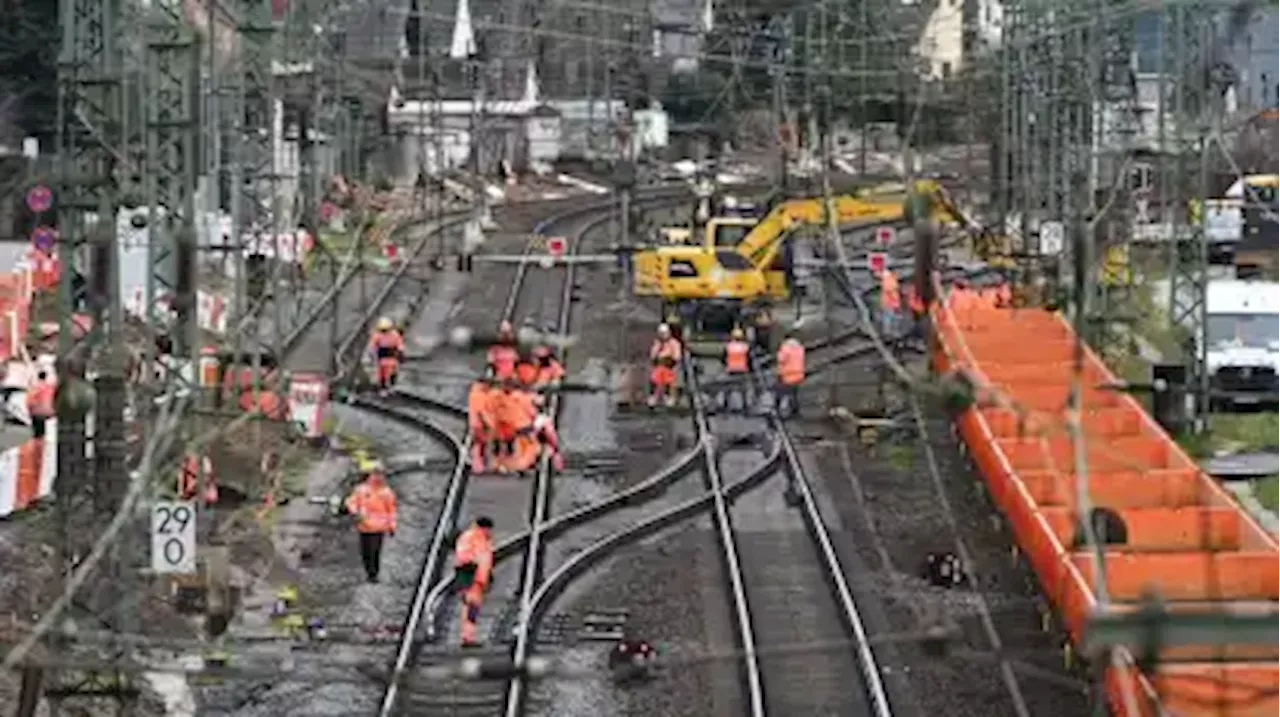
(664, 329)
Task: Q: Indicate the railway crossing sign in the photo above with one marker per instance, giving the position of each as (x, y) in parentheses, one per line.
(876, 262)
(43, 238)
(39, 198)
(886, 235)
(173, 537)
(556, 246)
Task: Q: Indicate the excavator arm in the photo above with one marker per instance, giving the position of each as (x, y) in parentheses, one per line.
(763, 243)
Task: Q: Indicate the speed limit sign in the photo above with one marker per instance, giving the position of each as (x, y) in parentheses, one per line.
(173, 537)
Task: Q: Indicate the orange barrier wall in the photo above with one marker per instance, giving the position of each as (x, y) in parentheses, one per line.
(1187, 538)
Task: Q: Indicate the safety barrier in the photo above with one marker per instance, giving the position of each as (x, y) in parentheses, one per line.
(1185, 538)
(27, 471)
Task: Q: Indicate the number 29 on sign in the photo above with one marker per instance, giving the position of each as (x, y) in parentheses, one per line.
(173, 537)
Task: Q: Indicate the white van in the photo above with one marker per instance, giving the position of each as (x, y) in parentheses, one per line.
(1242, 336)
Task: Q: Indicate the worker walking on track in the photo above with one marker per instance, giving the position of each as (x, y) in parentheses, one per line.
(40, 403)
(387, 347)
(737, 369)
(480, 421)
(503, 354)
(473, 568)
(786, 396)
(189, 479)
(664, 356)
(890, 302)
(373, 503)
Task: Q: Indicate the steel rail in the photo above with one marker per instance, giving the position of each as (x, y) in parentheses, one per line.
(821, 535)
(728, 544)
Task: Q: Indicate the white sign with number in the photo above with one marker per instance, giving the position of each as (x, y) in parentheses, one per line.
(173, 537)
(1053, 237)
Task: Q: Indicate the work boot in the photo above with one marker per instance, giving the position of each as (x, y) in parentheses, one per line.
(653, 400)
(670, 400)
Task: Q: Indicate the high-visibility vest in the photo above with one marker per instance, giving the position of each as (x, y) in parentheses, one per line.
(502, 357)
(478, 406)
(550, 371)
(375, 505)
(40, 399)
(665, 351)
(914, 302)
(189, 479)
(527, 372)
(474, 550)
(387, 344)
(890, 295)
(735, 356)
(791, 362)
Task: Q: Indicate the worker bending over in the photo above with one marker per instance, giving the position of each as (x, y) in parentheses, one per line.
(480, 421)
(40, 403)
(387, 347)
(786, 396)
(503, 354)
(189, 479)
(473, 569)
(373, 503)
(664, 357)
(514, 410)
(526, 370)
(737, 369)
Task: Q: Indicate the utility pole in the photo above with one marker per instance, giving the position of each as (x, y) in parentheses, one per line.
(783, 130)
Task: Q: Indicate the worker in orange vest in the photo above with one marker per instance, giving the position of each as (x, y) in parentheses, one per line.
(40, 403)
(514, 410)
(786, 396)
(544, 430)
(890, 302)
(664, 356)
(189, 479)
(526, 369)
(550, 370)
(737, 369)
(373, 503)
(502, 355)
(473, 569)
(387, 346)
(480, 421)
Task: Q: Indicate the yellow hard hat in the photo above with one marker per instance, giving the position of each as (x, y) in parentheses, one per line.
(384, 324)
(736, 333)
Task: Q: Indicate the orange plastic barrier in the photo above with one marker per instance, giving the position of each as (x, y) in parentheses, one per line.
(26, 472)
(1184, 537)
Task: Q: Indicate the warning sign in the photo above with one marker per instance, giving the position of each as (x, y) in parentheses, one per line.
(876, 262)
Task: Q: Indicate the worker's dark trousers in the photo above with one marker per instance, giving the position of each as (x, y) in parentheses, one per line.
(37, 426)
(371, 553)
(786, 399)
(736, 385)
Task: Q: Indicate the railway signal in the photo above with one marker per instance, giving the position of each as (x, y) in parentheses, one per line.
(556, 246)
(886, 235)
(39, 198)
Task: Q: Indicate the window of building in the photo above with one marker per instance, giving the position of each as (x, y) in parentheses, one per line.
(946, 70)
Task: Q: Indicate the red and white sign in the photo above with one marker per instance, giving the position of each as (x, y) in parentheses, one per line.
(556, 246)
(876, 262)
(308, 398)
(886, 235)
(39, 199)
(390, 251)
(292, 247)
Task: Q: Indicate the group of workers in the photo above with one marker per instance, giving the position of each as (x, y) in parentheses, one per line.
(509, 429)
(667, 352)
(373, 506)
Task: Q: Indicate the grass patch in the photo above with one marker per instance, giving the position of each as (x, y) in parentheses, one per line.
(1268, 492)
(1243, 431)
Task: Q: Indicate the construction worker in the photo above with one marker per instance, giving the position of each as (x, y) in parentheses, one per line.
(373, 503)
(737, 369)
(473, 568)
(890, 302)
(527, 369)
(189, 479)
(544, 431)
(550, 370)
(387, 347)
(514, 411)
(480, 421)
(915, 304)
(40, 403)
(786, 397)
(503, 354)
(665, 357)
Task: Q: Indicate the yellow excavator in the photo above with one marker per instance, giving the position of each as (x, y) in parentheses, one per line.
(742, 264)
